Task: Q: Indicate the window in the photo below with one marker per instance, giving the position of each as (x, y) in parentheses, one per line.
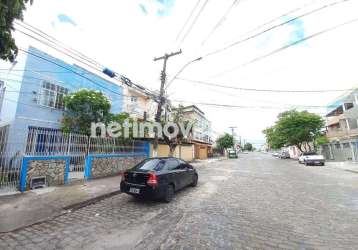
(171, 164)
(150, 164)
(51, 95)
(182, 161)
(134, 99)
(41, 140)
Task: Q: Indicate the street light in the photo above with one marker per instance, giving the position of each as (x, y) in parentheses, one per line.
(181, 70)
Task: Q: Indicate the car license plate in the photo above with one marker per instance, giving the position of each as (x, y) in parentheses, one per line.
(134, 190)
(317, 162)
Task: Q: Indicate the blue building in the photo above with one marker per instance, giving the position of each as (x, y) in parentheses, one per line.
(32, 91)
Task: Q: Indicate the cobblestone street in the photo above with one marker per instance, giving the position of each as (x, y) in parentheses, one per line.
(254, 202)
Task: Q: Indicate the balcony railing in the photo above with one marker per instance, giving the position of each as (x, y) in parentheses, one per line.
(342, 133)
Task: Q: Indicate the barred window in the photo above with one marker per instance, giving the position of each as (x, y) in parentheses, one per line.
(51, 95)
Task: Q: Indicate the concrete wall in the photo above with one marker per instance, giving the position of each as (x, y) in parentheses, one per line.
(109, 166)
(54, 170)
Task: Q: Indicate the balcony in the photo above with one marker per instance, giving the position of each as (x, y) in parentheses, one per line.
(342, 134)
(334, 119)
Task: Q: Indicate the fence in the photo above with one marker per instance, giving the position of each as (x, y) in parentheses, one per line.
(10, 163)
(44, 148)
(341, 151)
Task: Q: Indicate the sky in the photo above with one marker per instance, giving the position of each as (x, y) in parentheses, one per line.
(126, 35)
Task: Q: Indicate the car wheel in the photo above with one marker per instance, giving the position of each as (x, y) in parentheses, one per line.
(195, 181)
(306, 164)
(169, 193)
(322, 164)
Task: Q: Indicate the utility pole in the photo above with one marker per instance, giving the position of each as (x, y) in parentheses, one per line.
(161, 101)
(233, 133)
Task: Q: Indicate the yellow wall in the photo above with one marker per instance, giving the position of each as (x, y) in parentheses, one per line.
(186, 151)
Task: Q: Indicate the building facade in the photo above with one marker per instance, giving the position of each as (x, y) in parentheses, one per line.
(201, 135)
(32, 92)
(342, 128)
(139, 105)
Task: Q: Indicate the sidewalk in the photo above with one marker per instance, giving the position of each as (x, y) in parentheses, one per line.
(20, 210)
(345, 165)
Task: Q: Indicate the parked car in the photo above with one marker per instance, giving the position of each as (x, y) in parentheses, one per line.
(158, 178)
(284, 155)
(232, 153)
(311, 158)
(276, 154)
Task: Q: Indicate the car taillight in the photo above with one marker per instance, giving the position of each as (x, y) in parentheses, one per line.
(152, 180)
(124, 176)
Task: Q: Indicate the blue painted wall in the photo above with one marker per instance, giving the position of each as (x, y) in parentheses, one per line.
(63, 77)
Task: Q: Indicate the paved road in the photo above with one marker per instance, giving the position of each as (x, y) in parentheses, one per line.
(254, 202)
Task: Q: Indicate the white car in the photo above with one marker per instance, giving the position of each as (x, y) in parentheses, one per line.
(311, 158)
(276, 154)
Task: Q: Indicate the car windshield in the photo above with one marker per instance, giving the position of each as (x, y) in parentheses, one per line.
(150, 165)
(310, 153)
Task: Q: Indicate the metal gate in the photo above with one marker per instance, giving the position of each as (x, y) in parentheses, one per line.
(77, 150)
(10, 164)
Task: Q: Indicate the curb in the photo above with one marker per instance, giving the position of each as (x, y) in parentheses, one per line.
(66, 210)
(91, 201)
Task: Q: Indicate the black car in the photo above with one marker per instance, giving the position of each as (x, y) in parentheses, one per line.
(158, 178)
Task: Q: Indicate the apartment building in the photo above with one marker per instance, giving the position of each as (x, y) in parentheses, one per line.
(342, 128)
(139, 105)
(201, 136)
(342, 119)
(32, 91)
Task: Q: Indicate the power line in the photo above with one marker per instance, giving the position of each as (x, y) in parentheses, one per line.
(262, 90)
(273, 27)
(187, 20)
(41, 71)
(194, 21)
(43, 79)
(285, 47)
(279, 17)
(57, 42)
(220, 22)
(249, 99)
(59, 50)
(251, 107)
(116, 76)
(61, 66)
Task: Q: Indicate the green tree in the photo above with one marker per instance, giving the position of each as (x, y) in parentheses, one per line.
(273, 138)
(9, 11)
(225, 141)
(299, 128)
(84, 107)
(321, 140)
(248, 147)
